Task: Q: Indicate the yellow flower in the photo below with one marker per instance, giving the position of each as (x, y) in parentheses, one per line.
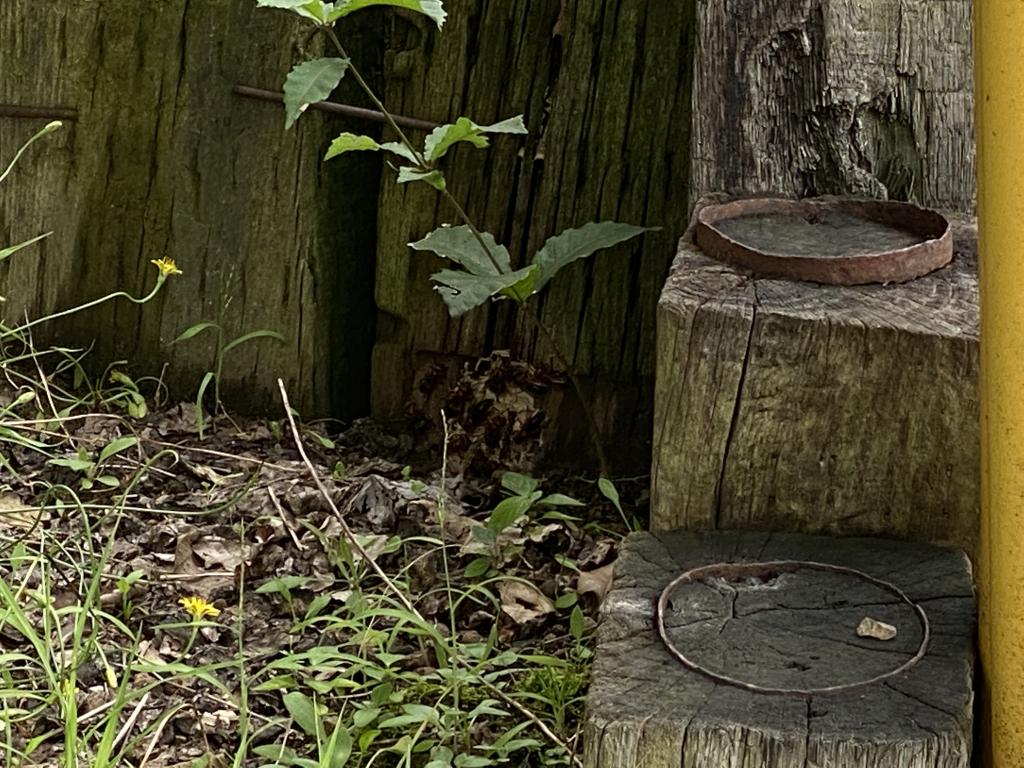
(166, 266)
(198, 608)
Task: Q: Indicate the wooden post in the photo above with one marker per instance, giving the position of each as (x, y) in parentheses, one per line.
(165, 159)
(1000, 103)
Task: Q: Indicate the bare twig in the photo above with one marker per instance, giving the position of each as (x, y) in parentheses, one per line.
(334, 107)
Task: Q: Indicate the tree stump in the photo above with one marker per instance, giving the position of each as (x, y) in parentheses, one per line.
(793, 406)
(791, 630)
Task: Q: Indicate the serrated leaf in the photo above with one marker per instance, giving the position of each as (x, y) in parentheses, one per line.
(433, 178)
(314, 10)
(351, 142)
(429, 8)
(523, 290)
(310, 82)
(463, 291)
(116, 446)
(442, 138)
(460, 245)
(397, 148)
(574, 244)
(303, 711)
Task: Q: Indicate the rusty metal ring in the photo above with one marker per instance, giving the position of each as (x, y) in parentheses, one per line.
(733, 570)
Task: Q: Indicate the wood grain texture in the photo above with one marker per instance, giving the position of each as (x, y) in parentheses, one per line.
(165, 161)
(793, 406)
(863, 97)
(604, 87)
(645, 708)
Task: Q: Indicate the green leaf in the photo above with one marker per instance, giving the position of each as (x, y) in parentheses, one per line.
(567, 600)
(560, 500)
(303, 711)
(477, 567)
(339, 748)
(429, 8)
(13, 249)
(433, 178)
(522, 290)
(310, 82)
(576, 623)
(76, 464)
(508, 511)
(194, 330)
(442, 138)
(463, 291)
(249, 337)
(363, 717)
(460, 245)
(401, 150)
(116, 446)
(574, 244)
(307, 9)
(351, 142)
(484, 534)
(608, 490)
(520, 485)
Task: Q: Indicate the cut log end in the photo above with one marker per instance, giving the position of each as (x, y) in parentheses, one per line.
(797, 630)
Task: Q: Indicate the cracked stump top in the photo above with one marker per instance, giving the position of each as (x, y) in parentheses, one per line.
(793, 629)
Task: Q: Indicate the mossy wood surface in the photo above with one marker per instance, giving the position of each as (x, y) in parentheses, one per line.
(645, 708)
(794, 406)
(604, 87)
(871, 98)
(165, 161)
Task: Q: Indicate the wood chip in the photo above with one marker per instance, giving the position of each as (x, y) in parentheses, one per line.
(879, 630)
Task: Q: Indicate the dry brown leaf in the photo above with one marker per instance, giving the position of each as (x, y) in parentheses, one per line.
(523, 602)
(596, 582)
(15, 513)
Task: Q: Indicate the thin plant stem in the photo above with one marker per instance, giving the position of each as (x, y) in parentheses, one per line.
(402, 137)
(595, 432)
(8, 332)
(549, 336)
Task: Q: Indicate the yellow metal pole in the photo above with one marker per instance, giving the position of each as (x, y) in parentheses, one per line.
(999, 99)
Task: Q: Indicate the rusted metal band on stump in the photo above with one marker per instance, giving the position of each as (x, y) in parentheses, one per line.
(934, 251)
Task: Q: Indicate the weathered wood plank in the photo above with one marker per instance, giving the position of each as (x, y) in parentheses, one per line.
(165, 161)
(794, 406)
(604, 86)
(645, 708)
(809, 97)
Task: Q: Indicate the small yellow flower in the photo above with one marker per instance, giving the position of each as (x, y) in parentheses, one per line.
(166, 266)
(198, 608)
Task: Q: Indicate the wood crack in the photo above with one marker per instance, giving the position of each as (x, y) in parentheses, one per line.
(737, 405)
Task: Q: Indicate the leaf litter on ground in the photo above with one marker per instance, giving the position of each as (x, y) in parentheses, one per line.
(237, 520)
